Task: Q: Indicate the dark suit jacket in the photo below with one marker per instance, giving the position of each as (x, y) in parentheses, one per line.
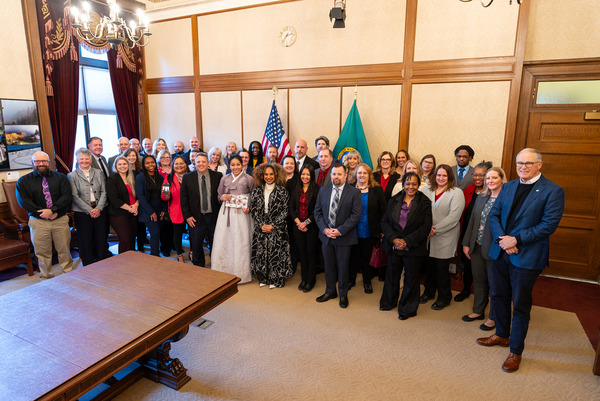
(295, 204)
(347, 217)
(470, 236)
(117, 195)
(467, 179)
(310, 162)
(390, 185)
(376, 209)
(417, 228)
(111, 161)
(537, 219)
(190, 194)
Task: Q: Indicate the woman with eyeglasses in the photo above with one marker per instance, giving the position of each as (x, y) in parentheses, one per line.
(471, 191)
(385, 173)
(428, 165)
(476, 244)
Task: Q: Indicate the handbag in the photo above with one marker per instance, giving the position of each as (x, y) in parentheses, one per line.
(378, 257)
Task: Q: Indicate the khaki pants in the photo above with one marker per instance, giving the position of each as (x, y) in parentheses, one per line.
(43, 234)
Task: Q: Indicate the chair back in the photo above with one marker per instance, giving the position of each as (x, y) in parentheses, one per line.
(18, 214)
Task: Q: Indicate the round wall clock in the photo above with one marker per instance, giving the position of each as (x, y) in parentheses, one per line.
(287, 36)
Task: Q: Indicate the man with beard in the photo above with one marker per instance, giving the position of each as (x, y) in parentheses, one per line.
(46, 196)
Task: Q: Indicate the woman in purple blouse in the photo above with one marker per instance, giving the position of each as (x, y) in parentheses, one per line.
(405, 225)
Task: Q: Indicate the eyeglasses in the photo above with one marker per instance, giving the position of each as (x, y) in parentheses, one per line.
(386, 160)
(41, 161)
(479, 175)
(427, 162)
(165, 157)
(526, 164)
(462, 156)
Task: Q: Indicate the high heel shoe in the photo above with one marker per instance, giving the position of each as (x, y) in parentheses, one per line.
(180, 258)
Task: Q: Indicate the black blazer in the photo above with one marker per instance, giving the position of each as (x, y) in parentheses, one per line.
(417, 228)
(190, 194)
(394, 177)
(376, 209)
(295, 204)
(117, 195)
(470, 236)
(310, 162)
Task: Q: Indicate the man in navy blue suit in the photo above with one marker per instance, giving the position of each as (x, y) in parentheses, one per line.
(525, 214)
(337, 212)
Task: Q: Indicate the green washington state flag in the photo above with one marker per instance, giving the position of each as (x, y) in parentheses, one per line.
(352, 137)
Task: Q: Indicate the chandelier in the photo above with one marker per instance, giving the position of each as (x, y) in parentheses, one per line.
(111, 29)
(487, 3)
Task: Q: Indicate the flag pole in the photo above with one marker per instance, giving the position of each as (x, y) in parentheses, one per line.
(355, 91)
(274, 92)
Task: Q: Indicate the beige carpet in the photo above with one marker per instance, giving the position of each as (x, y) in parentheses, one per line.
(282, 345)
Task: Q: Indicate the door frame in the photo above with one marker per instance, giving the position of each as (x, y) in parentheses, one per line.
(555, 70)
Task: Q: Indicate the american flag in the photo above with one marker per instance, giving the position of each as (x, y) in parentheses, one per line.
(274, 134)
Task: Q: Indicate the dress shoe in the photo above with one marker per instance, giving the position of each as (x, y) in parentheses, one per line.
(368, 288)
(343, 302)
(485, 327)
(261, 284)
(326, 297)
(467, 318)
(493, 340)
(166, 254)
(512, 363)
(386, 308)
(424, 299)
(302, 285)
(439, 305)
(404, 317)
(308, 287)
(461, 296)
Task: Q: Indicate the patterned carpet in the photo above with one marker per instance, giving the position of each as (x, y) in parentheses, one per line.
(282, 345)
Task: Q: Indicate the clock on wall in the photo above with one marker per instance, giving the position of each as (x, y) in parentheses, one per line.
(287, 36)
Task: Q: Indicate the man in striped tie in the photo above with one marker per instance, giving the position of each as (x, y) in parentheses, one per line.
(337, 212)
(46, 195)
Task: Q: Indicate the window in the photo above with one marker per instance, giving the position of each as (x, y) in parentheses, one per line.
(568, 92)
(97, 115)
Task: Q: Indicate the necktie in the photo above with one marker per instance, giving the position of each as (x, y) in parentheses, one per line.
(333, 207)
(461, 174)
(320, 179)
(204, 195)
(46, 191)
(103, 167)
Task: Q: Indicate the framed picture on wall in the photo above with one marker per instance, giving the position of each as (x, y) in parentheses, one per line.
(20, 135)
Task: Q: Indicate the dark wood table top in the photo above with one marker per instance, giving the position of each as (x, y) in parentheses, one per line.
(56, 329)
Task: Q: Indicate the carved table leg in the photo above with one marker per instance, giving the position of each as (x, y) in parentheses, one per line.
(161, 368)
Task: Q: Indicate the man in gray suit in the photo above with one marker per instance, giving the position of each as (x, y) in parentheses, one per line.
(337, 212)
(463, 172)
(322, 174)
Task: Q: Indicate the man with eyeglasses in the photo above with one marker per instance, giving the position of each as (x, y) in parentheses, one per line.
(525, 214)
(463, 172)
(46, 196)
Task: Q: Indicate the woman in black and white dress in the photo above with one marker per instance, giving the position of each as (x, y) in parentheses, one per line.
(270, 261)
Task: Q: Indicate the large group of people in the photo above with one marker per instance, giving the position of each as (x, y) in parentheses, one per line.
(260, 219)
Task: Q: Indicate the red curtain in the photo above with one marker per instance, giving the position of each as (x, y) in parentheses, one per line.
(61, 64)
(125, 86)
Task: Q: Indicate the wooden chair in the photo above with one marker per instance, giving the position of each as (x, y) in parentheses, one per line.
(18, 216)
(14, 252)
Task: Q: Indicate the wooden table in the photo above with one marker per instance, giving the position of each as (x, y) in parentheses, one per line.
(63, 337)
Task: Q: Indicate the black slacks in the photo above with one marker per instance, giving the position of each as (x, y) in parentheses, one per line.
(409, 301)
(307, 244)
(438, 279)
(91, 234)
(360, 258)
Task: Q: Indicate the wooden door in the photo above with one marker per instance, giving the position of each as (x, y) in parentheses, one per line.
(571, 158)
